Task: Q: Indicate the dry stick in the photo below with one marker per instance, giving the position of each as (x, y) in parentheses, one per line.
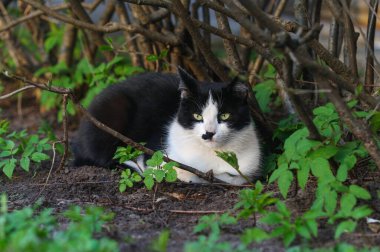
(359, 130)
(122, 13)
(108, 12)
(16, 92)
(260, 60)
(265, 52)
(157, 3)
(371, 29)
(65, 139)
(111, 27)
(299, 107)
(178, 8)
(230, 47)
(96, 37)
(335, 38)
(350, 39)
(100, 125)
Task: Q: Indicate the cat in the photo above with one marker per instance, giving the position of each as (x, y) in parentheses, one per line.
(186, 118)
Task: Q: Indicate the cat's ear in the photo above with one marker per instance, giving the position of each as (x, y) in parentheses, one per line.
(188, 85)
(238, 89)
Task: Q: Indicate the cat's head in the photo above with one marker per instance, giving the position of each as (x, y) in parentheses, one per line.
(214, 112)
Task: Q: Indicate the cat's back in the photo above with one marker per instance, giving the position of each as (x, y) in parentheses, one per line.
(141, 88)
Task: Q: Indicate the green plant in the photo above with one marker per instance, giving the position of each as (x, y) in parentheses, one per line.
(253, 202)
(94, 78)
(160, 244)
(304, 156)
(157, 170)
(210, 243)
(29, 230)
(19, 148)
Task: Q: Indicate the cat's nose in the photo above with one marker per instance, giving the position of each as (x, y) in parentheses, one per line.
(208, 135)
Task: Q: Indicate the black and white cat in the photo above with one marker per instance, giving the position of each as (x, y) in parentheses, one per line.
(188, 119)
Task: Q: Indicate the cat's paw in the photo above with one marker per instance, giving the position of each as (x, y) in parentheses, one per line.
(230, 179)
(188, 177)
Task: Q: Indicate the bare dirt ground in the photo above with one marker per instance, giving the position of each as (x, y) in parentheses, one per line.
(140, 215)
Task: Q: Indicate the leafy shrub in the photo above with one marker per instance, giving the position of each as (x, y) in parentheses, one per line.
(19, 148)
(157, 170)
(31, 230)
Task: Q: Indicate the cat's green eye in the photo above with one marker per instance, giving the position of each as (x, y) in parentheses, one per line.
(198, 117)
(225, 116)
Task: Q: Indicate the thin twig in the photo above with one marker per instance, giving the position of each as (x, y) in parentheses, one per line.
(16, 92)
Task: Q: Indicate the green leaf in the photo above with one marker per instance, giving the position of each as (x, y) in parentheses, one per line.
(163, 54)
(149, 182)
(331, 199)
(303, 173)
(105, 48)
(50, 42)
(342, 173)
(254, 235)
(136, 177)
(272, 218)
(284, 182)
(156, 159)
(313, 227)
(320, 168)
(39, 156)
(171, 175)
(159, 175)
(345, 226)
(25, 163)
(122, 187)
(361, 212)
(278, 172)
(303, 231)
(359, 192)
(325, 152)
(229, 157)
(9, 167)
(288, 238)
(151, 57)
(263, 92)
(347, 202)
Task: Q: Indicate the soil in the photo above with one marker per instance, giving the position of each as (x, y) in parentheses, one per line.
(140, 214)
